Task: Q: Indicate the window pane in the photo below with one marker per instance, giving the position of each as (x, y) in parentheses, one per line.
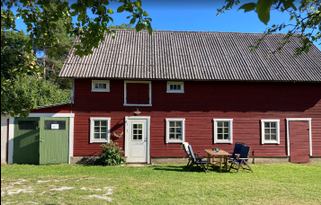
(97, 123)
(103, 135)
(179, 137)
(178, 130)
(134, 131)
(178, 87)
(273, 124)
(267, 136)
(220, 136)
(97, 129)
(171, 136)
(140, 132)
(104, 86)
(103, 129)
(27, 125)
(267, 131)
(273, 136)
(273, 131)
(96, 85)
(134, 125)
(225, 124)
(219, 130)
(55, 125)
(178, 124)
(172, 130)
(140, 137)
(172, 124)
(226, 130)
(104, 123)
(140, 126)
(220, 124)
(267, 124)
(226, 136)
(135, 137)
(96, 136)
(171, 87)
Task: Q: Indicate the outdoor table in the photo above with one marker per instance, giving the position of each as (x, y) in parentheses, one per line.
(221, 153)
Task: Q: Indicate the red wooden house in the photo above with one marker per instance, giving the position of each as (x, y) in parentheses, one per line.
(205, 88)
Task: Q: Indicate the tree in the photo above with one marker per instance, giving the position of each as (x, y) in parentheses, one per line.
(42, 17)
(307, 19)
(38, 91)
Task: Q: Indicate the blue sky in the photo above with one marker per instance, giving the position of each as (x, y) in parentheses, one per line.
(199, 15)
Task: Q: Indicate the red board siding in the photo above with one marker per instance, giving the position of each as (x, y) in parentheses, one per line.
(245, 103)
(299, 142)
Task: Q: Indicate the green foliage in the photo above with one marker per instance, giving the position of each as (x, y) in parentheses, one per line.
(16, 63)
(111, 154)
(49, 27)
(39, 92)
(307, 18)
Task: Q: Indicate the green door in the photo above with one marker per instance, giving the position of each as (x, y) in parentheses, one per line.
(26, 141)
(53, 141)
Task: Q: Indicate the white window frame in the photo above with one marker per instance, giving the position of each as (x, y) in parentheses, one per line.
(92, 123)
(230, 140)
(150, 93)
(263, 140)
(169, 83)
(93, 89)
(168, 120)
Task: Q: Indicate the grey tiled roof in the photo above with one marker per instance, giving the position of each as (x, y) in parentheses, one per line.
(175, 55)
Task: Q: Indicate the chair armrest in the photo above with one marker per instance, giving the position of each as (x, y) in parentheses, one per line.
(243, 158)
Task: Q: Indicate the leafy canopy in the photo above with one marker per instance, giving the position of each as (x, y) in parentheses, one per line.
(307, 18)
(44, 19)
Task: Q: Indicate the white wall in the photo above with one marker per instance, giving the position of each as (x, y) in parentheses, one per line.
(4, 138)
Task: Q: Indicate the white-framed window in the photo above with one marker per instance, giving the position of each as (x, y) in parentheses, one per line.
(137, 93)
(270, 131)
(223, 131)
(100, 86)
(175, 87)
(175, 130)
(99, 129)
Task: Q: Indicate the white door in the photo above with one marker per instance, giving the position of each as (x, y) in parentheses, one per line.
(137, 140)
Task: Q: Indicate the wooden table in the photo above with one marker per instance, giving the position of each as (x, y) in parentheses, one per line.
(221, 154)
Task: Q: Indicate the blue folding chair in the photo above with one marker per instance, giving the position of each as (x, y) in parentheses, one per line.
(242, 159)
(195, 160)
(237, 151)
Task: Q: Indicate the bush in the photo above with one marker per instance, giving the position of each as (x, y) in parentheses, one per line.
(111, 154)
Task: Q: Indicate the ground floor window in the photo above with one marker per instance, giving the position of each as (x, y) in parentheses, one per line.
(223, 131)
(99, 130)
(270, 131)
(175, 130)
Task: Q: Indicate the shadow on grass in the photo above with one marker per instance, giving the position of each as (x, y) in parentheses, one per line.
(184, 168)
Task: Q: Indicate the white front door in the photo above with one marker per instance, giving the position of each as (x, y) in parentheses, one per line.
(137, 139)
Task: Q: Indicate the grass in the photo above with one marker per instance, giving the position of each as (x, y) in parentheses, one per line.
(160, 184)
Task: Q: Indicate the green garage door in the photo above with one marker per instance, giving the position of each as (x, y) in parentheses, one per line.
(26, 141)
(54, 143)
(41, 140)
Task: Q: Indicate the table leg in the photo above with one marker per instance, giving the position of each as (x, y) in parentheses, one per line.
(208, 160)
(225, 162)
(220, 163)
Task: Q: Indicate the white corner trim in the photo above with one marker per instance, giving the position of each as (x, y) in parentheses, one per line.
(92, 119)
(216, 141)
(167, 130)
(263, 141)
(10, 140)
(288, 120)
(150, 93)
(71, 132)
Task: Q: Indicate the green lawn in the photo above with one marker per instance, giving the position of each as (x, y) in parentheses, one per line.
(160, 184)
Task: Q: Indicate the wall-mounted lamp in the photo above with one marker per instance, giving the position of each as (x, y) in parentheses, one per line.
(137, 112)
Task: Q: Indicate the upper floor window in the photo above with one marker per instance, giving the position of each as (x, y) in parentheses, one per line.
(99, 129)
(137, 93)
(100, 86)
(270, 131)
(175, 87)
(223, 131)
(175, 130)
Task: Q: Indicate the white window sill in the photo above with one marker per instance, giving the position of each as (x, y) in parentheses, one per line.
(175, 91)
(221, 142)
(100, 91)
(100, 141)
(180, 141)
(270, 142)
